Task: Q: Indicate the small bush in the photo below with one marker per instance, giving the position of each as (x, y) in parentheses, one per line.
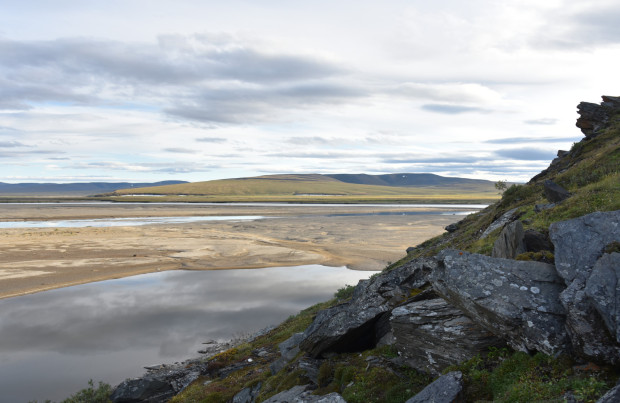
(345, 292)
(101, 394)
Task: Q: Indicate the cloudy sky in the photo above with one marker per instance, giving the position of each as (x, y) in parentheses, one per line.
(141, 90)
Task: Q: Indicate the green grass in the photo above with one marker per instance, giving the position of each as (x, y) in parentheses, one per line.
(305, 189)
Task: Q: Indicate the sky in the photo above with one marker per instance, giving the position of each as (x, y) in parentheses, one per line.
(151, 90)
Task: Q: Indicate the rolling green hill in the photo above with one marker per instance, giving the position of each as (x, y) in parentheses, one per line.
(320, 188)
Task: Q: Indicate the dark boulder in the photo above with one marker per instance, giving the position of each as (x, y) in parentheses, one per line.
(536, 241)
(592, 119)
(432, 334)
(360, 323)
(451, 227)
(446, 389)
(515, 300)
(612, 395)
(554, 192)
(511, 241)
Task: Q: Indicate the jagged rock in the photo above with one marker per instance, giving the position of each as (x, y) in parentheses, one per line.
(536, 241)
(277, 365)
(451, 227)
(432, 334)
(593, 118)
(612, 395)
(515, 300)
(360, 323)
(247, 395)
(611, 102)
(310, 368)
(511, 241)
(446, 389)
(562, 153)
(603, 289)
(147, 390)
(580, 242)
(500, 222)
(554, 192)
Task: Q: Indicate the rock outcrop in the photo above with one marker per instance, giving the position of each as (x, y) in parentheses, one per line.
(511, 241)
(579, 245)
(554, 192)
(593, 117)
(360, 323)
(516, 300)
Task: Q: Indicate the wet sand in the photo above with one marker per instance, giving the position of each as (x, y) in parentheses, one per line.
(38, 259)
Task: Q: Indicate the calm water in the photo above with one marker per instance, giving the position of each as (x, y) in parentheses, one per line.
(53, 342)
(120, 222)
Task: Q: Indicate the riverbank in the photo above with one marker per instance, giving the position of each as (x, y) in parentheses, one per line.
(37, 259)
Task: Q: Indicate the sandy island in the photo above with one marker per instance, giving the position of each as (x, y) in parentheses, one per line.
(38, 259)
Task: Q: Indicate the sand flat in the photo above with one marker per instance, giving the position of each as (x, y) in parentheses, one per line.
(38, 259)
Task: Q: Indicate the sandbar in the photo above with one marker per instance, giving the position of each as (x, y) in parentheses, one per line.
(37, 259)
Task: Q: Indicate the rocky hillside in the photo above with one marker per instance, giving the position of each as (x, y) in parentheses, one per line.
(519, 302)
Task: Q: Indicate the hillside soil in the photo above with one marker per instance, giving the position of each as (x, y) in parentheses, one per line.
(45, 258)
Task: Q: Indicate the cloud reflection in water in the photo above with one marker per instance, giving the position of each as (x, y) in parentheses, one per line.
(108, 330)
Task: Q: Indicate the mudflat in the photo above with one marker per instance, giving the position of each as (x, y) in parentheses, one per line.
(37, 259)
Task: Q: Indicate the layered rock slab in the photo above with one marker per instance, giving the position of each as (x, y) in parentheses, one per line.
(516, 300)
(432, 335)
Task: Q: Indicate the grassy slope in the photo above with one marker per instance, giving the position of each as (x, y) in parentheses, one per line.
(306, 188)
(592, 173)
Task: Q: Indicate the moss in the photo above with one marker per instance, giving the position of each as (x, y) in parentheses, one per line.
(541, 256)
(613, 247)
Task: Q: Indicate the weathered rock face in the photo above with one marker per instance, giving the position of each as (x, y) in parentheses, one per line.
(536, 241)
(516, 300)
(603, 290)
(360, 323)
(301, 394)
(446, 389)
(593, 118)
(554, 192)
(432, 334)
(511, 241)
(579, 244)
(142, 390)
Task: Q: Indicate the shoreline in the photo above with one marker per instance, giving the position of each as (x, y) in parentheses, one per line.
(40, 259)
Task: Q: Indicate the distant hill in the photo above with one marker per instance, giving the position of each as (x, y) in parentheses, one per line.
(73, 189)
(408, 180)
(323, 188)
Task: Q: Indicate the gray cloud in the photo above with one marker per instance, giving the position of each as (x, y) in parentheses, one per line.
(212, 140)
(519, 140)
(11, 144)
(180, 150)
(542, 121)
(526, 154)
(200, 77)
(308, 140)
(453, 109)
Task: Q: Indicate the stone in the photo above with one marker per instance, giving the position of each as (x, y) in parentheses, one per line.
(511, 241)
(536, 241)
(580, 242)
(290, 347)
(310, 368)
(585, 327)
(612, 395)
(278, 365)
(542, 207)
(611, 102)
(288, 396)
(432, 334)
(451, 227)
(515, 300)
(603, 289)
(554, 192)
(446, 389)
(142, 390)
(360, 323)
(247, 395)
(500, 222)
